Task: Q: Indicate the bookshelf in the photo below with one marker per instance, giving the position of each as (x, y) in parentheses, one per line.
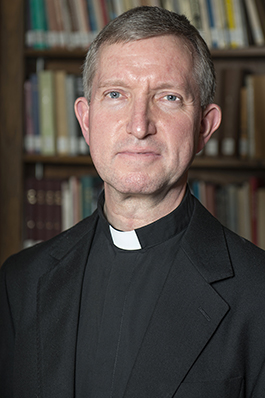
(16, 63)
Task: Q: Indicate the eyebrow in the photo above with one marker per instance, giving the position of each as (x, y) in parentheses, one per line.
(107, 83)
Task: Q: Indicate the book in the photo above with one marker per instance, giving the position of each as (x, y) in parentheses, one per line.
(118, 7)
(35, 112)
(42, 210)
(87, 183)
(260, 6)
(47, 112)
(30, 208)
(92, 16)
(221, 23)
(256, 116)
(52, 209)
(243, 211)
(52, 24)
(205, 30)
(243, 137)
(195, 14)
(29, 131)
(104, 10)
(221, 204)
(83, 23)
(70, 34)
(67, 205)
(83, 148)
(231, 23)
(231, 206)
(74, 186)
(233, 81)
(212, 24)
(255, 23)
(75, 40)
(62, 133)
(254, 185)
(71, 119)
(30, 34)
(212, 147)
(241, 37)
(98, 14)
(38, 22)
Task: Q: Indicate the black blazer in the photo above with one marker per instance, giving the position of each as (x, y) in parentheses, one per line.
(206, 337)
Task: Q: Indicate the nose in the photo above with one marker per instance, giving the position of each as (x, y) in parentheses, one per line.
(141, 122)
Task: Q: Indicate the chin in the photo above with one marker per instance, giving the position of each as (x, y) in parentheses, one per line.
(137, 186)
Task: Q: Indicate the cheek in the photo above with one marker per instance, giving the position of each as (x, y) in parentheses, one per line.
(181, 135)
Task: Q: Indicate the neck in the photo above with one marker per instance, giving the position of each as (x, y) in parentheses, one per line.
(127, 212)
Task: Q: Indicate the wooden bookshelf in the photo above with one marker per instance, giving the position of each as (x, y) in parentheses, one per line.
(16, 63)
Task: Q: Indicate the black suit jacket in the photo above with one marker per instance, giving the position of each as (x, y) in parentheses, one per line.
(206, 336)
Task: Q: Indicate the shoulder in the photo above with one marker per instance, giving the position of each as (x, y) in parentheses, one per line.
(220, 247)
(36, 260)
(246, 258)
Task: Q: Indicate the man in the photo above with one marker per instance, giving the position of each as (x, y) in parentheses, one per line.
(150, 296)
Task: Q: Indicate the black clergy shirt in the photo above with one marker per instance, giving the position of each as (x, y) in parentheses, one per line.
(120, 291)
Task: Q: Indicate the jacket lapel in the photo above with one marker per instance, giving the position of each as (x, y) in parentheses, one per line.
(58, 302)
(188, 312)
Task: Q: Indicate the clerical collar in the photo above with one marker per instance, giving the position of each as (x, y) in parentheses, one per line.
(152, 234)
(126, 240)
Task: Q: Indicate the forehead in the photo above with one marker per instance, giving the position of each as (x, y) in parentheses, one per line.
(164, 54)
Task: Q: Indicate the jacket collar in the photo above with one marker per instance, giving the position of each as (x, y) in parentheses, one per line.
(205, 245)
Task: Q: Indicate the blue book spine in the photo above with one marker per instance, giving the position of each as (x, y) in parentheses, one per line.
(35, 112)
(92, 16)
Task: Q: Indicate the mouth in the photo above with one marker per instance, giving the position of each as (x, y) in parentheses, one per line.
(138, 153)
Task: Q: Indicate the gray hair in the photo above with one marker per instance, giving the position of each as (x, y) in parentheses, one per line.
(146, 22)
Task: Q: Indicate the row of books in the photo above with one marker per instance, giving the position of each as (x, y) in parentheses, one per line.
(74, 23)
(225, 23)
(239, 206)
(241, 96)
(50, 124)
(54, 205)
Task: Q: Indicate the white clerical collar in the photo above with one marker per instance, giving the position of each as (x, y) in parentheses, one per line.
(127, 240)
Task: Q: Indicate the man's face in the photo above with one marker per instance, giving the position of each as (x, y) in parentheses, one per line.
(144, 120)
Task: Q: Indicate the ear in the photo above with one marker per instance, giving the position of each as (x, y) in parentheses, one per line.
(82, 114)
(211, 120)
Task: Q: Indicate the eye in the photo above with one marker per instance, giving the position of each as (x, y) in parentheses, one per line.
(171, 97)
(114, 94)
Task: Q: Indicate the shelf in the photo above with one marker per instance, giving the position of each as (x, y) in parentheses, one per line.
(68, 53)
(249, 52)
(199, 162)
(228, 163)
(55, 53)
(63, 160)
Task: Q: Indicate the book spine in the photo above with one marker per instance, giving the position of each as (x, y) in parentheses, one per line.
(212, 23)
(92, 16)
(255, 22)
(38, 23)
(231, 22)
(29, 136)
(62, 135)
(47, 107)
(233, 81)
(71, 119)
